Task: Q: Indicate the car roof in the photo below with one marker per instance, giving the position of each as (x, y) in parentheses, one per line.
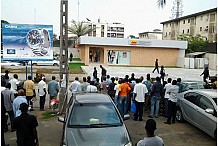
(92, 98)
(211, 92)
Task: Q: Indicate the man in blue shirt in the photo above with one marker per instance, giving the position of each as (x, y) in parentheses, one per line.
(21, 98)
(53, 88)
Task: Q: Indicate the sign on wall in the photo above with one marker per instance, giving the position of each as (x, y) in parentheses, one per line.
(27, 42)
(118, 57)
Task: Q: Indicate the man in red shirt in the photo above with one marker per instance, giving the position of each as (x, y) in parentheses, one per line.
(124, 89)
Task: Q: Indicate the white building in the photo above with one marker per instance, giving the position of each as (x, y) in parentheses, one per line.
(113, 30)
(203, 23)
(155, 35)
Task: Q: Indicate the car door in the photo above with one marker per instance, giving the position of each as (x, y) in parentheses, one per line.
(189, 106)
(204, 120)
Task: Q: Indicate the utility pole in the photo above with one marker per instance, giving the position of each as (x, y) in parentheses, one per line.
(63, 55)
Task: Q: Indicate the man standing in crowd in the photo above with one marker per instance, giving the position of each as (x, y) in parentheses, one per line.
(111, 91)
(53, 88)
(166, 97)
(156, 67)
(21, 98)
(157, 92)
(95, 74)
(180, 85)
(29, 87)
(14, 82)
(104, 85)
(91, 87)
(122, 98)
(149, 87)
(84, 85)
(173, 91)
(75, 86)
(151, 139)
(42, 93)
(103, 72)
(8, 96)
(139, 91)
(25, 126)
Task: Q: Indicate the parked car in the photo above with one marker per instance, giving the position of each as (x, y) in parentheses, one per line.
(92, 119)
(9, 63)
(191, 85)
(199, 107)
(45, 63)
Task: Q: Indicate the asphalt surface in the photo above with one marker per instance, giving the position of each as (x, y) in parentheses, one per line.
(178, 134)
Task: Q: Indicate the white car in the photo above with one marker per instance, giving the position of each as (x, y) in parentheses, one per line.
(45, 63)
(9, 63)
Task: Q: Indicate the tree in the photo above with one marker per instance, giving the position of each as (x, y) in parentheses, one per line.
(161, 3)
(79, 29)
(195, 43)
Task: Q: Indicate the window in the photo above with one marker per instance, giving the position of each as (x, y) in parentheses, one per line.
(166, 25)
(183, 31)
(166, 34)
(183, 21)
(169, 33)
(205, 103)
(170, 24)
(187, 30)
(207, 18)
(188, 20)
(201, 18)
(193, 98)
(200, 28)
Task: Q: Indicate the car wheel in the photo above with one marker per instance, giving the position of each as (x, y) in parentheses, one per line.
(55, 64)
(179, 115)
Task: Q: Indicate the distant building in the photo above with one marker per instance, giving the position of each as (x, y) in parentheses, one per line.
(111, 30)
(203, 23)
(155, 34)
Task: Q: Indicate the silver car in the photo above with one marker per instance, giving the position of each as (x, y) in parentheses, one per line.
(92, 119)
(199, 107)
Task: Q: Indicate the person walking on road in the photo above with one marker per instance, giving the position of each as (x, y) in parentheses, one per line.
(25, 126)
(42, 93)
(206, 74)
(151, 139)
(21, 98)
(157, 92)
(53, 89)
(139, 92)
(162, 74)
(173, 91)
(29, 87)
(71, 57)
(156, 66)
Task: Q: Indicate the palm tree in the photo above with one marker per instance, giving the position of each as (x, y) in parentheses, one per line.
(79, 29)
(161, 3)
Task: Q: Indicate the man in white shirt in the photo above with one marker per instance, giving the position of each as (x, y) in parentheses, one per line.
(166, 96)
(21, 98)
(140, 91)
(42, 93)
(151, 139)
(173, 91)
(14, 82)
(75, 86)
(91, 87)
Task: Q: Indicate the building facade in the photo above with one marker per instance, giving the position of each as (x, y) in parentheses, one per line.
(131, 52)
(155, 34)
(203, 23)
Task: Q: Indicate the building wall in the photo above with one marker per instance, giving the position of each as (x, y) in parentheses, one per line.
(139, 56)
(212, 58)
(204, 24)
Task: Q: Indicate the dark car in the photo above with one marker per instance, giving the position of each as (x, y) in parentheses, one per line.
(92, 119)
(199, 107)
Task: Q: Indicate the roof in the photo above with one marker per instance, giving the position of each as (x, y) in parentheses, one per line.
(191, 15)
(125, 42)
(196, 53)
(92, 98)
(157, 32)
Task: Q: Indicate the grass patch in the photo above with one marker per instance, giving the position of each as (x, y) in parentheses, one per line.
(48, 115)
(75, 68)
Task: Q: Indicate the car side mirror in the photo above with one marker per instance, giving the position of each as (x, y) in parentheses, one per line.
(61, 119)
(209, 111)
(126, 117)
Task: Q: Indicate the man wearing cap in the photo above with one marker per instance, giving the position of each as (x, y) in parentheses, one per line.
(42, 93)
(151, 139)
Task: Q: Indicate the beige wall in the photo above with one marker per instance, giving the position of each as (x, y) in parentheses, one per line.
(139, 56)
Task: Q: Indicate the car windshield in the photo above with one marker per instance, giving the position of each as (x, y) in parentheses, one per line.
(94, 115)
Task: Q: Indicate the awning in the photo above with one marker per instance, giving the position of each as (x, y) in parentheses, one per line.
(196, 53)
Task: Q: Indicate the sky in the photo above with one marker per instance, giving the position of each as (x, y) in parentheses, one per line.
(138, 16)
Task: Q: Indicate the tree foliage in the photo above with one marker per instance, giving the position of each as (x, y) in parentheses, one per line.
(195, 43)
(79, 29)
(4, 21)
(161, 3)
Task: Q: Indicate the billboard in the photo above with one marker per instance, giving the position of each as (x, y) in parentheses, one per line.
(27, 42)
